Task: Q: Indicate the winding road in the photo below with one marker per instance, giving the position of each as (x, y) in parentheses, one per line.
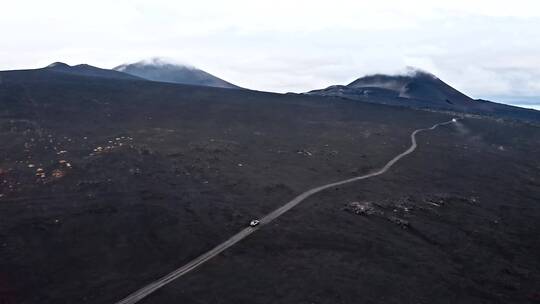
(150, 288)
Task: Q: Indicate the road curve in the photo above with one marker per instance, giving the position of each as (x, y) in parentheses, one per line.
(150, 288)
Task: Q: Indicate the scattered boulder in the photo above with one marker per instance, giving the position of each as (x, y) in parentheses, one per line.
(400, 222)
(440, 200)
(304, 152)
(362, 208)
(58, 173)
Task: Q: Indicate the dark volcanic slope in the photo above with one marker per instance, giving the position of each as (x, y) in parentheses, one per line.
(61, 72)
(421, 86)
(421, 90)
(106, 185)
(158, 70)
(88, 70)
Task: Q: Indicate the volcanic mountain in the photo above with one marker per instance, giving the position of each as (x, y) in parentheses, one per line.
(418, 89)
(88, 70)
(159, 70)
(59, 71)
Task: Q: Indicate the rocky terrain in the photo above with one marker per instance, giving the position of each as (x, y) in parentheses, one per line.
(107, 184)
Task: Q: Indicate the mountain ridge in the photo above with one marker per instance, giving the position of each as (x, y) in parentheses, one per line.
(88, 70)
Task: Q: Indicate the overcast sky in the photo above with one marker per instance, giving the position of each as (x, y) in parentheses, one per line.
(483, 48)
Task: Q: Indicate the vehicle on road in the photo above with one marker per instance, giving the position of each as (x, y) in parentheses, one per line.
(454, 119)
(254, 223)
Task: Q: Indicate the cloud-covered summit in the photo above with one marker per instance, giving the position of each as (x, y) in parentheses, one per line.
(159, 69)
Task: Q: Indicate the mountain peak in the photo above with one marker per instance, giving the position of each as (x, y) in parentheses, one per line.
(394, 81)
(157, 62)
(58, 65)
(414, 87)
(159, 69)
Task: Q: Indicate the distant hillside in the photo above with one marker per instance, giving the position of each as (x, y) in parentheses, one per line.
(88, 70)
(159, 70)
(422, 90)
(59, 71)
